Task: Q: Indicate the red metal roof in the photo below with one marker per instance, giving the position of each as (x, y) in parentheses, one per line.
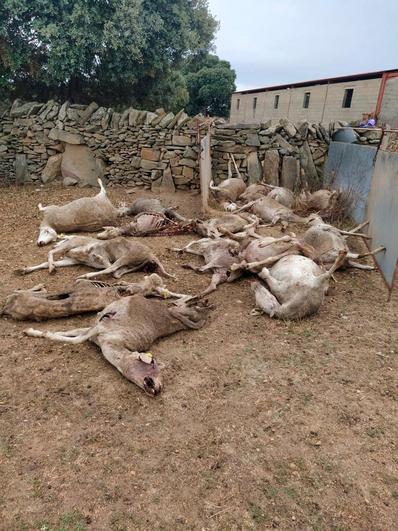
(324, 81)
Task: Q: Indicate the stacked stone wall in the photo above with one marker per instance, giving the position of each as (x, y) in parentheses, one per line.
(40, 142)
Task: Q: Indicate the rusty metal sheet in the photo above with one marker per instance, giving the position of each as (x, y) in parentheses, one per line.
(350, 167)
(382, 212)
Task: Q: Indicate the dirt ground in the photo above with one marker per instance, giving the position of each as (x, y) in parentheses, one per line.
(262, 423)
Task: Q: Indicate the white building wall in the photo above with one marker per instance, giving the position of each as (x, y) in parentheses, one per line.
(326, 103)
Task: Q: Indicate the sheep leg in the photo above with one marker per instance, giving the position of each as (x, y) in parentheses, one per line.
(282, 239)
(75, 336)
(188, 247)
(358, 234)
(50, 257)
(194, 267)
(108, 270)
(266, 302)
(251, 232)
(358, 227)
(167, 294)
(128, 269)
(39, 288)
(172, 214)
(253, 266)
(355, 265)
(276, 286)
(59, 249)
(245, 207)
(118, 269)
(238, 236)
(102, 188)
(340, 259)
(250, 227)
(219, 277)
(65, 262)
(161, 268)
(369, 253)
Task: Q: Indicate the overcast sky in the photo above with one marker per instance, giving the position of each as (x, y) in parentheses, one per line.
(270, 42)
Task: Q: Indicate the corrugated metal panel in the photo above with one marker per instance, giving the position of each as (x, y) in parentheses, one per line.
(382, 211)
(350, 167)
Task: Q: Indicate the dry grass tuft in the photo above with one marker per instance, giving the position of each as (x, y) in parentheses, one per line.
(337, 213)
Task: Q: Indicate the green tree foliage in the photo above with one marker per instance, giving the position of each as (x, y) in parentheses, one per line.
(113, 51)
(210, 82)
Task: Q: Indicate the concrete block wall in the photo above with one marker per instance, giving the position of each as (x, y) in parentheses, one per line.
(326, 103)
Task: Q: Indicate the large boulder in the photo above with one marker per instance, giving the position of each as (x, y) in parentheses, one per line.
(181, 140)
(307, 163)
(19, 108)
(288, 127)
(78, 163)
(166, 120)
(271, 167)
(88, 112)
(52, 169)
(64, 136)
(150, 154)
(21, 169)
(167, 182)
(254, 169)
(290, 172)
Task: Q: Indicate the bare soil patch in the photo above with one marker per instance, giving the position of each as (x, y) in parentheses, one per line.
(262, 424)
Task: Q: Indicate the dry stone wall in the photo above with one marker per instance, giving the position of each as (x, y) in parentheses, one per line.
(79, 143)
(40, 142)
(282, 154)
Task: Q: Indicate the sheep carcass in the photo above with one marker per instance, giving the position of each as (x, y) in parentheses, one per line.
(228, 190)
(267, 250)
(36, 304)
(233, 223)
(321, 200)
(84, 214)
(297, 286)
(270, 211)
(219, 255)
(126, 329)
(118, 256)
(151, 205)
(254, 191)
(148, 224)
(284, 196)
(328, 241)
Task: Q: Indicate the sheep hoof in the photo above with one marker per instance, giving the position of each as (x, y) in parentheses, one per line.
(32, 332)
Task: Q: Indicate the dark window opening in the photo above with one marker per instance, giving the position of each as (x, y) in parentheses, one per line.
(348, 93)
(238, 104)
(306, 102)
(254, 104)
(276, 101)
